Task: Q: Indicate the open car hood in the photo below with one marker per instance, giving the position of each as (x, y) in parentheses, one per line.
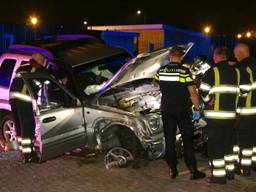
(144, 66)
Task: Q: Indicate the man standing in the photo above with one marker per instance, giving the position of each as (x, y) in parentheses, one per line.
(21, 104)
(219, 89)
(178, 90)
(247, 108)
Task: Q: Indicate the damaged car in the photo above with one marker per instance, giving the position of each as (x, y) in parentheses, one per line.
(123, 118)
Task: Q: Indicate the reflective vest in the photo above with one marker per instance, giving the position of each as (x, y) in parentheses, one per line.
(174, 80)
(220, 85)
(247, 101)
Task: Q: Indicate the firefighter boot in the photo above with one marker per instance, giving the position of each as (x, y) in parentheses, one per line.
(173, 172)
(195, 173)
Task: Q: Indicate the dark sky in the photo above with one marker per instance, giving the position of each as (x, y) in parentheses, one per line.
(226, 16)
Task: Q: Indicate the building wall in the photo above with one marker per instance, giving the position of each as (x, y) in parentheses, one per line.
(150, 37)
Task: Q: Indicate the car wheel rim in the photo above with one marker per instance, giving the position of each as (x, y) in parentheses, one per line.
(9, 130)
(117, 157)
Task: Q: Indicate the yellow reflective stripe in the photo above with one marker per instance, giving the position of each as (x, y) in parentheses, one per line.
(245, 87)
(205, 87)
(219, 114)
(236, 149)
(206, 98)
(245, 161)
(247, 152)
(248, 69)
(218, 163)
(238, 83)
(248, 100)
(224, 89)
(17, 95)
(26, 141)
(249, 96)
(253, 87)
(184, 75)
(26, 150)
(216, 83)
(182, 80)
(230, 167)
(219, 172)
(229, 158)
(246, 111)
(188, 79)
(156, 77)
(185, 65)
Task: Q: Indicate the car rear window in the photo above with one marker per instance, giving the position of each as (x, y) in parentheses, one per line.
(6, 70)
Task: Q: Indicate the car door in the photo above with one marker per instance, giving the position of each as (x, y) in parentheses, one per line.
(60, 124)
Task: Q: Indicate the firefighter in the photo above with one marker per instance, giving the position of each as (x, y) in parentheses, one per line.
(219, 89)
(21, 104)
(246, 109)
(177, 86)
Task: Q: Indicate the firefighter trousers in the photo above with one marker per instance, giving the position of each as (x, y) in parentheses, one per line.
(24, 123)
(172, 121)
(246, 129)
(220, 144)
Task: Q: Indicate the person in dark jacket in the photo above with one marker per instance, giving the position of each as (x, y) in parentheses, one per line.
(22, 107)
(246, 109)
(219, 90)
(178, 92)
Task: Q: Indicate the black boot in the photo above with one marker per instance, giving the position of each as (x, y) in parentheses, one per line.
(195, 173)
(173, 172)
(246, 171)
(230, 176)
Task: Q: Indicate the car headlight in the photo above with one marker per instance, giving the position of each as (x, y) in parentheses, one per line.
(155, 123)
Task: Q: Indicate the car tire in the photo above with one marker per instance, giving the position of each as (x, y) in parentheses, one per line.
(130, 142)
(7, 129)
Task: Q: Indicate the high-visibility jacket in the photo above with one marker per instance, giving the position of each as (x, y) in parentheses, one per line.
(220, 85)
(247, 101)
(174, 80)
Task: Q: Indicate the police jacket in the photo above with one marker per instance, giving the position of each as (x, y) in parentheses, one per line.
(18, 89)
(247, 100)
(174, 79)
(220, 90)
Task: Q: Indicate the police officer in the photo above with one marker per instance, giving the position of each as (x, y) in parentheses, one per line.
(247, 108)
(21, 104)
(178, 90)
(219, 89)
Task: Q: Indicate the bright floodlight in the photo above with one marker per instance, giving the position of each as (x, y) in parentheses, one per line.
(139, 12)
(239, 36)
(207, 29)
(85, 22)
(248, 34)
(34, 20)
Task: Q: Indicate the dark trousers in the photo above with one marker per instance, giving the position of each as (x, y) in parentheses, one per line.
(246, 129)
(172, 120)
(220, 135)
(24, 118)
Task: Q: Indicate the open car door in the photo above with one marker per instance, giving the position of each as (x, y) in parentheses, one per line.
(60, 123)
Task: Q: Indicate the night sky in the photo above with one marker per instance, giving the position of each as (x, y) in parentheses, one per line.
(227, 17)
